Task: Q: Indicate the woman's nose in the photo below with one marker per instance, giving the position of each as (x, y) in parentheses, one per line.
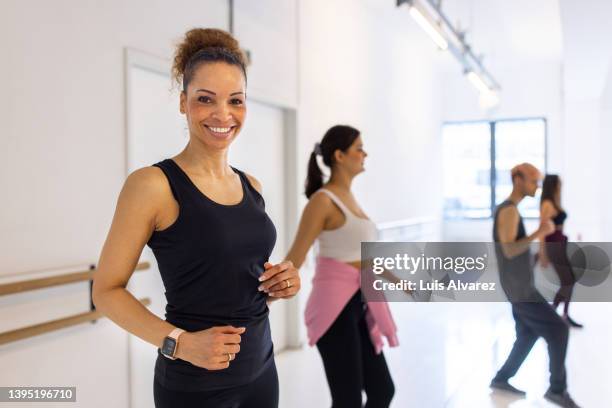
(222, 113)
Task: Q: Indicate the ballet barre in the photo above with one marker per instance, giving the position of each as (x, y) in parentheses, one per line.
(33, 284)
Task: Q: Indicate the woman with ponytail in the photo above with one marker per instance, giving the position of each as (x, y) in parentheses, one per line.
(346, 329)
(206, 224)
(554, 248)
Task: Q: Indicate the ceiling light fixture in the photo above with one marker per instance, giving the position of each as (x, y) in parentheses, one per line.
(429, 26)
(429, 16)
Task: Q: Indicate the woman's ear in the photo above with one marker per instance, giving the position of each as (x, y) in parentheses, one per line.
(338, 155)
(183, 102)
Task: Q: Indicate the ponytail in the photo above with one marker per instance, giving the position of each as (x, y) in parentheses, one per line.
(339, 137)
(314, 180)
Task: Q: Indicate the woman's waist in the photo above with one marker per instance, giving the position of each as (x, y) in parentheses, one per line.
(256, 353)
(556, 236)
(191, 321)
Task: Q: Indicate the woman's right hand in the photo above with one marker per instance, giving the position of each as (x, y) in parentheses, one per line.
(212, 348)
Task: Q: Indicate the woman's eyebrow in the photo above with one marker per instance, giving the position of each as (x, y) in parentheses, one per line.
(213, 93)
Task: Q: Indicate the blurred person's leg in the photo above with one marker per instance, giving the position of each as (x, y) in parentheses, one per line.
(377, 380)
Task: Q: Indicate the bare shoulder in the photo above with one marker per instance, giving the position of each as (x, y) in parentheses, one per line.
(147, 180)
(148, 187)
(254, 182)
(509, 213)
(320, 200)
(547, 206)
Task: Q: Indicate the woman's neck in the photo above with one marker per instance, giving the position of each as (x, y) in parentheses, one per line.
(341, 179)
(205, 161)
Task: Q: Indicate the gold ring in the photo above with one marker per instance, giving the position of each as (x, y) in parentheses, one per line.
(288, 283)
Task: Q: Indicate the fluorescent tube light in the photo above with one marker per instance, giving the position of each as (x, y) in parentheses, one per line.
(478, 82)
(429, 26)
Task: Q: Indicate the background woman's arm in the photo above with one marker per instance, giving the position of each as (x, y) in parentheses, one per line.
(311, 224)
(546, 213)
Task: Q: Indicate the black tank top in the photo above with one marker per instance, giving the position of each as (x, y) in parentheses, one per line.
(516, 274)
(210, 259)
(560, 217)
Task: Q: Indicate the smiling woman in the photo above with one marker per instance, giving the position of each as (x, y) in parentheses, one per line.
(207, 226)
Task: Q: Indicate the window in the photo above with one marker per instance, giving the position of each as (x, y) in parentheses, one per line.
(478, 157)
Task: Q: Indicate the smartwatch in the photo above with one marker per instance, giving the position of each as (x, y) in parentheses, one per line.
(170, 344)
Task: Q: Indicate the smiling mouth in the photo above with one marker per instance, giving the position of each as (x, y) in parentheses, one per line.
(221, 132)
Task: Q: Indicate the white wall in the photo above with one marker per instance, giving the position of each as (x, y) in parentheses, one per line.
(587, 83)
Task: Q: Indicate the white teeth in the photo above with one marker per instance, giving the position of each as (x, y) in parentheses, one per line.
(220, 129)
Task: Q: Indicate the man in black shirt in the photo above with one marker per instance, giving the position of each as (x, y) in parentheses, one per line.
(533, 316)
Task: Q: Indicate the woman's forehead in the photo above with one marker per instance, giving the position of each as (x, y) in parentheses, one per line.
(218, 77)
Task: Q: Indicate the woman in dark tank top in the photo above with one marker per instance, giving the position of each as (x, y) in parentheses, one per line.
(206, 224)
(554, 250)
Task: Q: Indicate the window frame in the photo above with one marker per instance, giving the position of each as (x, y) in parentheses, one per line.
(493, 169)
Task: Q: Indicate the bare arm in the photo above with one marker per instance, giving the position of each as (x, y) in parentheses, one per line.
(275, 277)
(133, 224)
(312, 223)
(507, 228)
(547, 212)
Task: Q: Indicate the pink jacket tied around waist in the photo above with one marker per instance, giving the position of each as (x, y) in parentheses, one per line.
(333, 285)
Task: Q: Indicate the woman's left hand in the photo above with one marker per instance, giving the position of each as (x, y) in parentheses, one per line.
(281, 281)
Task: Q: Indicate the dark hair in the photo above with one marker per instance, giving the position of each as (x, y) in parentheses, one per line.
(549, 189)
(202, 45)
(339, 137)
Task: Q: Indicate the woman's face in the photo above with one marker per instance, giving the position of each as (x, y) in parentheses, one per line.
(354, 157)
(215, 104)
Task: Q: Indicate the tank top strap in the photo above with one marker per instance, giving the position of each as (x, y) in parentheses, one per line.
(249, 189)
(521, 227)
(176, 179)
(337, 201)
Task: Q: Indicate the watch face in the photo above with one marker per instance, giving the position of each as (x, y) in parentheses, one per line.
(168, 346)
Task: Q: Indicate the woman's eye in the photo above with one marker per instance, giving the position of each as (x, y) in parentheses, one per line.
(236, 101)
(204, 99)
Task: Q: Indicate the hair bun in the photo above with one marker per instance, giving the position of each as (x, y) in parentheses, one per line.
(211, 37)
(198, 39)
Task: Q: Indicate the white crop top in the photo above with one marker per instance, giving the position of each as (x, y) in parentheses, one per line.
(344, 243)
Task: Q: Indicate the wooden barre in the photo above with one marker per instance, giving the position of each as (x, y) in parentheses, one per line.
(37, 329)
(33, 284)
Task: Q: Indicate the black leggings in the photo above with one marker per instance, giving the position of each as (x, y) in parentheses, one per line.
(261, 393)
(556, 249)
(351, 364)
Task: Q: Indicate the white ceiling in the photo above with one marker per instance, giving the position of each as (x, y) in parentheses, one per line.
(523, 29)
(576, 33)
